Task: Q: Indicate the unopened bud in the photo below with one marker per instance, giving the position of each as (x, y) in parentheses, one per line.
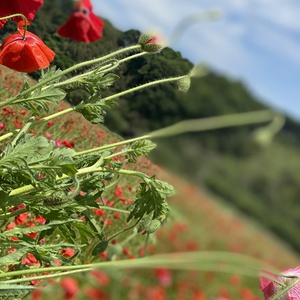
(56, 198)
(154, 226)
(150, 43)
(184, 84)
(262, 137)
(146, 221)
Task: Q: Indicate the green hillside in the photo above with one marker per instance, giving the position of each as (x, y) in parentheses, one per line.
(262, 182)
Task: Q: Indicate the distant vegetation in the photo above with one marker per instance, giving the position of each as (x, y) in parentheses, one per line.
(262, 182)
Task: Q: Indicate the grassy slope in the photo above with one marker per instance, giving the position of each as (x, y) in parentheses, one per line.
(197, 221)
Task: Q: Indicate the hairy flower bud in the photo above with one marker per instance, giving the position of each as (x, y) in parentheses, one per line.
(56, 198)
(150, 43)
(146, 221)
(184, 84)
(154, 226)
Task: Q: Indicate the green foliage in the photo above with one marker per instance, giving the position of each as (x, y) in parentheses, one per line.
(14, 291)
(140, 148)
(93, 110)
(151, 199)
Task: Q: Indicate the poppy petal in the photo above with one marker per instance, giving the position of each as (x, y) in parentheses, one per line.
(81, 4)
(82, 27)
(28, 8)
(26, 55)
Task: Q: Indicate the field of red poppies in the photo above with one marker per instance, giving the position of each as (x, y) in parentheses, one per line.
(197, 224)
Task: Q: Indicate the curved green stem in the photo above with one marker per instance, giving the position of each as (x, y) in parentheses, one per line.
(164, 80)
(286, 288)
(204, 260)
(18, 15)
(212, 123)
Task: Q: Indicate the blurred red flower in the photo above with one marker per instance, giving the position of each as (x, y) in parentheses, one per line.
(70, 286)
(164, 276)
(28, 8)
(25, 55)
(68, 252)
(271, 288)
(83, 25)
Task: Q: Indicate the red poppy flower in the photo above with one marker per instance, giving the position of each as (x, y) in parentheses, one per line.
(28, 8)
(83, 25)
(25, 55)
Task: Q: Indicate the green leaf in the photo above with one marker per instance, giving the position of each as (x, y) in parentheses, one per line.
(108, 80)
(39, 98)
(62, 156)
(93, 111)
(151, 199)
(14, 290)
(45, 75)
(13, 258)
(26, 148)
(100, 247)
(67, 233)
(21, 231)
(50, 94)
(85, 232)
(140, 148)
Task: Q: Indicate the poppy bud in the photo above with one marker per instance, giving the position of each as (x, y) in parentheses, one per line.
(56, 198)
(145, 222)
(263, 136)
(150, 43)
(184, 84)
(154, 226)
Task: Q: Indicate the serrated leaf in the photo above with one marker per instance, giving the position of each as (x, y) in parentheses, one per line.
(93, 111)
(140, 148)
(39, 98)
(20, 231)
(48, 73)
(108, 80)
(26, 148)
(14, 290)
(42, 154)
(62, 155)
(13, 258)
(50, 94)
(151, 200)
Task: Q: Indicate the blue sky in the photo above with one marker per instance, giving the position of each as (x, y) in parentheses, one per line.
(256, 41)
